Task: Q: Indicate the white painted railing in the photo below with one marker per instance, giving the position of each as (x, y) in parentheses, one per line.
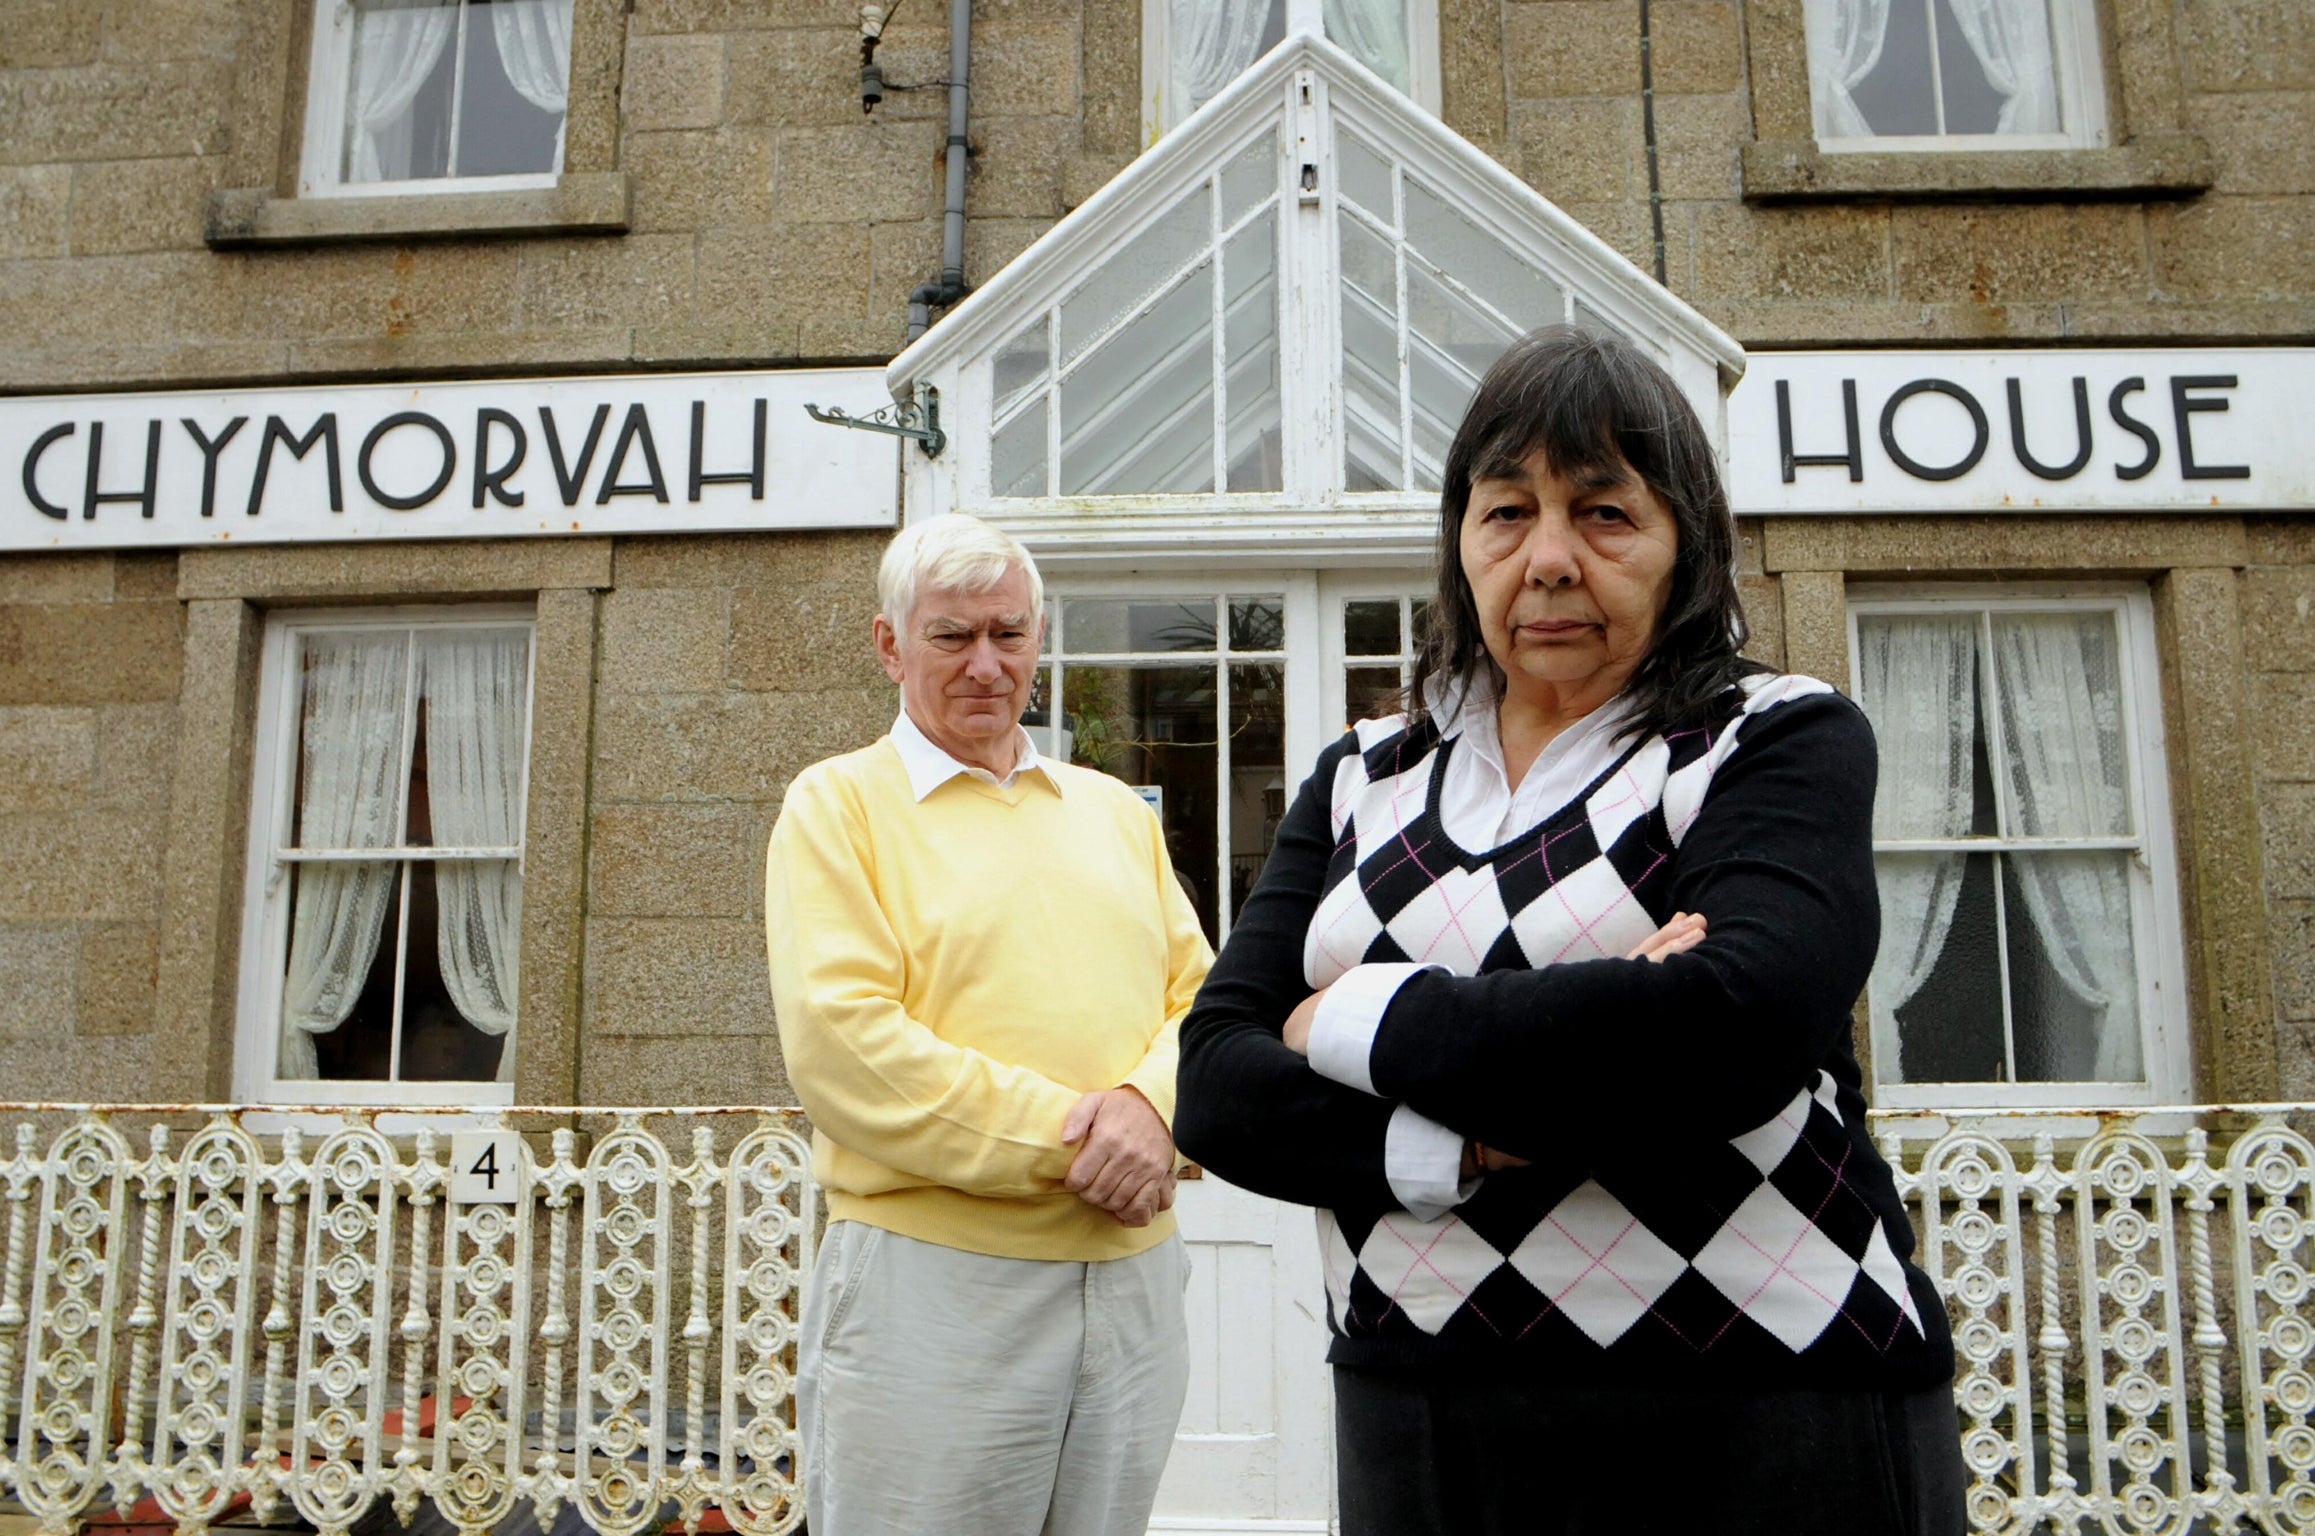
(202, 1317)
(205, 1318)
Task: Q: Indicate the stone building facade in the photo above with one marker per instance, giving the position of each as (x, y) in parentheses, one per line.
(723, 203)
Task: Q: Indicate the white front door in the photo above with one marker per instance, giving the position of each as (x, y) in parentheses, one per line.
(1213, 692)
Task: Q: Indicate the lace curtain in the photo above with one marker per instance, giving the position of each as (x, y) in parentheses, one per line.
(477, 688)
(1845, 38)
(2011, 39)
(1374, 32)
(395, 49)
(2067, 770)
(1919, 686)
(351, 759)
(1212, 42)
(534, 46)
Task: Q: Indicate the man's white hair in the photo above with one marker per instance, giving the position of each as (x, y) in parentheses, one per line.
(952, 553)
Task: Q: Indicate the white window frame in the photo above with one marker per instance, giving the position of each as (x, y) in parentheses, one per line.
(2156, 921)
(1301, 16)
(2075, 59)
(329, 68)
(265, 907)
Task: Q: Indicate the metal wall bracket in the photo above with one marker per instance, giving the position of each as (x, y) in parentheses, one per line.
(920, 421)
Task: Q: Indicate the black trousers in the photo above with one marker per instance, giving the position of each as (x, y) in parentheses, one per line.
(1419, 1454)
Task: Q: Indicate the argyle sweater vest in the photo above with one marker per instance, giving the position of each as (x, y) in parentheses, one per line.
(1635, 1250)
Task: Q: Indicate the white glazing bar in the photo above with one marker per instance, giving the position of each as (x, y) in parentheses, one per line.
(1936, 70)
(1218, 354)
(1053, 401)
(1405, 330)
(1990, 701)
(1222, 844)
(422, 852)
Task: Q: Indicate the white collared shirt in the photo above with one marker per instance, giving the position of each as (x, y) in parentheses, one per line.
(929, 767)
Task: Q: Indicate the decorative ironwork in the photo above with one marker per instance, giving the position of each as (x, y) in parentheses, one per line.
(224, 1317)
(918, 421)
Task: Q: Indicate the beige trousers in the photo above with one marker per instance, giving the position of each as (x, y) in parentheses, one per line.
(945, 1393)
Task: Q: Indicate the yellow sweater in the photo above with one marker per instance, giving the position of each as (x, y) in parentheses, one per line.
(952, 976)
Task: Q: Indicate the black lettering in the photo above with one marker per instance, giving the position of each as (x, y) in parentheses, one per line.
(1915, 467)
(1854, 458)
(752, 477)
(635, 429)
(210, 449)
(487, 1166)
(378, 433)
(2135, 428)
(2071, 467)
(490, 480)
(41, 445)
(572, 480)
(324, 431)
(91, 498)
(2183, 405)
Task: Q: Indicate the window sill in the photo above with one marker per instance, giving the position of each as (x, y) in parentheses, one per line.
(245, 217)
(2167, 165)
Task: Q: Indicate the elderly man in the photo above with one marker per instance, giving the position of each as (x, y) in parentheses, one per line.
(979, 957)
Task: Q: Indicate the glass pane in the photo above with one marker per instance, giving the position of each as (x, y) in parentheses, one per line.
(467, 761)
(1155, 726)
(1375, 34)
(1250, 177)
(1973, 103)
(352, 713)
(342, 927)
(1418, 621)
(403, 52)
(1017, 456)
(1480, 261)
(1368, 692)
(1257, 623)
(1139, 268)
(439, 1043)
(1138, 414)
(1257, 770)
(1590, 319)
(1917, 680)
(1364, 177)
(1370, 627)
(1894, 96)
(1110, 625)
(517, 74)
(1936, 992)
(1370, 360)
(1037, 719)
(2073, 970)
(1250, 346)
(1021, 365)
(1450, 346)
(2061, 703)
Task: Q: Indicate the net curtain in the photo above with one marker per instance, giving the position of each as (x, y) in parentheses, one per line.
(1213, 41)
(474, 689)
(396, 47)
(2067, 770)
(2009, 38)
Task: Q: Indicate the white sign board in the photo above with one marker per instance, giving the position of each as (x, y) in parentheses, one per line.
(2076, 430)
(486, 1167)
(650, 453)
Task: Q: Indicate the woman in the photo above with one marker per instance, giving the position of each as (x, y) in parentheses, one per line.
(1543, 999)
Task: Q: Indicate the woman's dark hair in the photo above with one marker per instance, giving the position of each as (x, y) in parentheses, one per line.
(1594, 403)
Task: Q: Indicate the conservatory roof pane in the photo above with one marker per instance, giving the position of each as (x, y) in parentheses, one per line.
(1292, 296)
(1141, 267)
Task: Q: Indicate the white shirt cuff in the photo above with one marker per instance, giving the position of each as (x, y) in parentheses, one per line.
(1342, 1037)
(1423, 1160)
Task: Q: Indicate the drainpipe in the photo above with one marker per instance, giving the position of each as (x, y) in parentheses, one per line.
(950, 287)
(1648, 129)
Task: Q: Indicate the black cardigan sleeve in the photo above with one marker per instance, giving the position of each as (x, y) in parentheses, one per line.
(1558, 1061)
(1246, 1106)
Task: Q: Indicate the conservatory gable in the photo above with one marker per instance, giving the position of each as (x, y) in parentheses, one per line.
(1280, 311)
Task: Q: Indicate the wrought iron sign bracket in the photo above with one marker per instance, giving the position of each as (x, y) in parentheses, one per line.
(916, 420)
